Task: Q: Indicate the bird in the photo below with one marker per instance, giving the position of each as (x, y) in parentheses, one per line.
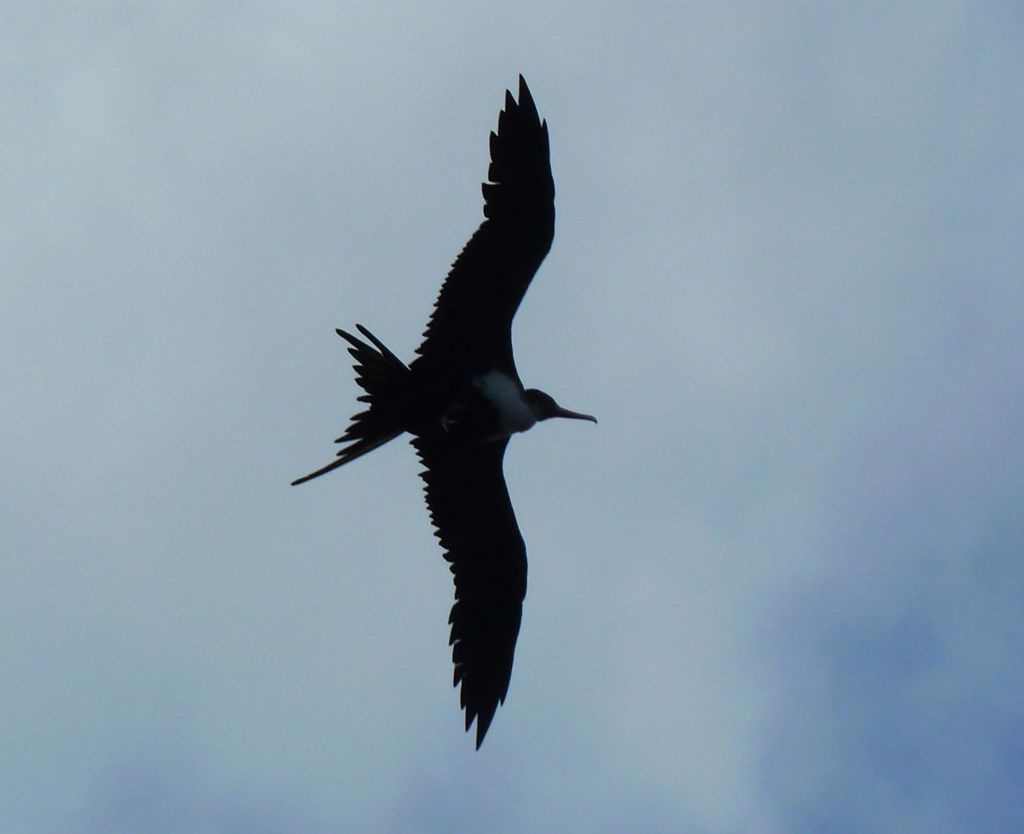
(461, 399)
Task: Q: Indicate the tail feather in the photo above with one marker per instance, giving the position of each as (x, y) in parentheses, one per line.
(385, 379)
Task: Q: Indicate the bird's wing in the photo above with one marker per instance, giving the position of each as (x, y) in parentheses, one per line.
(472, 318)
(474, 521)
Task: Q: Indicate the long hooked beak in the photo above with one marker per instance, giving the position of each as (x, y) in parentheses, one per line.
(573, 415)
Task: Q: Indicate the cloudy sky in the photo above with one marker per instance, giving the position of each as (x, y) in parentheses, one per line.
(777, 589)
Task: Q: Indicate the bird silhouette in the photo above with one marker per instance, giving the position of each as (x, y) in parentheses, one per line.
(461, 399)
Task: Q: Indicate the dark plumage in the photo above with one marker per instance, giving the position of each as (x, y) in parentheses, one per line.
(461, 398)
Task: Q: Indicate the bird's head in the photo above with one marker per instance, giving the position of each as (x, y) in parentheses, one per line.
(544, 406)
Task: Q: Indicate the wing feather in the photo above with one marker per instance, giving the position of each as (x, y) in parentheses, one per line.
(471, 511)
(471, 324)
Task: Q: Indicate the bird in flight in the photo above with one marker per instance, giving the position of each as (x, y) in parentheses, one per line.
(461, 399)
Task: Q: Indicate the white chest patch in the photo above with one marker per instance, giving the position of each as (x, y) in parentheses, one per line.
(514, 413)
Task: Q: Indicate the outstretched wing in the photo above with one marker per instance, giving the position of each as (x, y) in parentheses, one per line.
(474, 521)
(472, 320)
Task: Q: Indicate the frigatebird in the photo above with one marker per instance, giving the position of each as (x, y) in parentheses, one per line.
(461, 399)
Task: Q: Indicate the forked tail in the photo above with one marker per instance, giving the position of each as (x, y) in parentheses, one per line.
(385, 379)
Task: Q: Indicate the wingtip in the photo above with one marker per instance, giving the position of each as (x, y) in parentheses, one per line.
(481, 727)
(482, 718)
(483, 724)
(525, 96)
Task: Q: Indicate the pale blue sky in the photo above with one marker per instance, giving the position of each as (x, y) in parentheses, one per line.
(777, 589)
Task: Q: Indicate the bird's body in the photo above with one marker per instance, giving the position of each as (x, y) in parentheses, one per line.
(461, 399)
(501, 403)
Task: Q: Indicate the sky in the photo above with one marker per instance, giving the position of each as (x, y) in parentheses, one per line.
(778, 587)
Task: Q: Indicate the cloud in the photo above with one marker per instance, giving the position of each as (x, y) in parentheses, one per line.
(776, 589)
